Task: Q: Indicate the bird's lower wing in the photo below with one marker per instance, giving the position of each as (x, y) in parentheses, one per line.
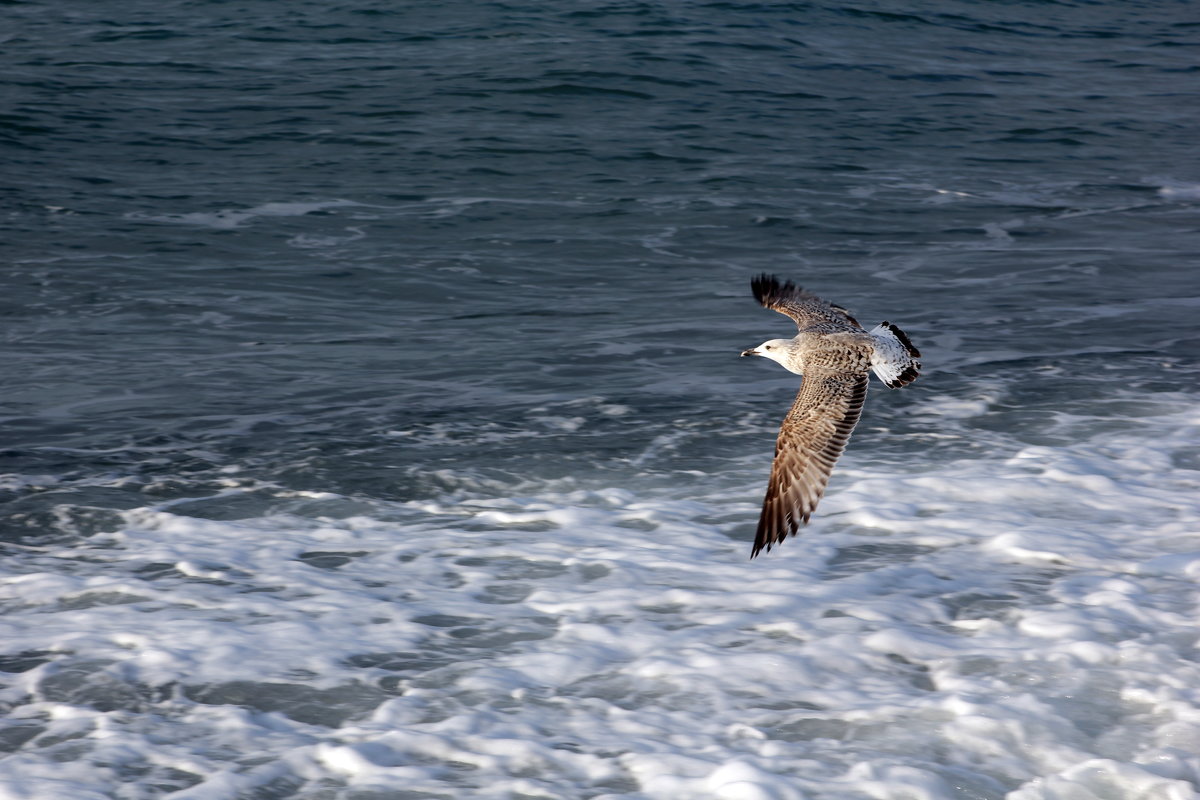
(811, 438)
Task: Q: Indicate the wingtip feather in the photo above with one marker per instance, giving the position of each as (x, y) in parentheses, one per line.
(768, 290)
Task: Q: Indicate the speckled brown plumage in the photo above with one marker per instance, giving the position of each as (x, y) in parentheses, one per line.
(835, 356)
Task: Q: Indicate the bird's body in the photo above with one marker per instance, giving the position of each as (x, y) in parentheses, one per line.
(835, 355)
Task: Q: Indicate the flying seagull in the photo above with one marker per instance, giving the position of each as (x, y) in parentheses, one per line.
(834, 354)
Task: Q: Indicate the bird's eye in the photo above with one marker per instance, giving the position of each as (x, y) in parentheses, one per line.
(768, 347)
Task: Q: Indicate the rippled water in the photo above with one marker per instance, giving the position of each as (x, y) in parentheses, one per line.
(374, 427)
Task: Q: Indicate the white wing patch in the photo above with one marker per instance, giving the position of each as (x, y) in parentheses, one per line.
(894, 360)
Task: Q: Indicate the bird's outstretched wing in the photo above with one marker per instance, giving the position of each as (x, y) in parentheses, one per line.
(811, 438)
(804, 307)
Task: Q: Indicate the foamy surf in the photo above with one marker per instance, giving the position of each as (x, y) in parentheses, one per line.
(1019, 628)
(228, 218)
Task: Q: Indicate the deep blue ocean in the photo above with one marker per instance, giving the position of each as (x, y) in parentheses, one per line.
(373, 426)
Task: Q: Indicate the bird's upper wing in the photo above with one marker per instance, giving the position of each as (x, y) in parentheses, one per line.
(811, 438)
(804, 307)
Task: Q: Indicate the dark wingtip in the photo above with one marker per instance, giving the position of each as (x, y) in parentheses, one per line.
(759, 546)
(768, 290)
(762, 540)
(767, 536)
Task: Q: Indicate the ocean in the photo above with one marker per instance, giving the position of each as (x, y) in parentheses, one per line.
(374, 426)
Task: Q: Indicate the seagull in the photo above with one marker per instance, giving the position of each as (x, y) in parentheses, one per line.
(834, 354)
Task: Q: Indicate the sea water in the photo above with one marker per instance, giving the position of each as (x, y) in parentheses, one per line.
(373, 427)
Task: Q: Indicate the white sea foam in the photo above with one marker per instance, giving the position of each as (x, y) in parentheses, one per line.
(1180, 191)
(453, 206)
(235, 217)
(1019, 628)
(308, 241)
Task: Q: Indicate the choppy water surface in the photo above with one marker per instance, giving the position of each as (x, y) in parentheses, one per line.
(374, 427)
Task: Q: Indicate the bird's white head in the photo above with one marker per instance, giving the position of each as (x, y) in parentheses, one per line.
(774, 349)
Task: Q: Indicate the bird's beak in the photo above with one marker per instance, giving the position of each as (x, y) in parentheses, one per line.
(753, 351)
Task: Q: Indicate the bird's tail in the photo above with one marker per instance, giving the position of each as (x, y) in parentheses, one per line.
(895, 360)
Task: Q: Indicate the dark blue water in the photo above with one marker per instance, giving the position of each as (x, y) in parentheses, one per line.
(383, 284)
